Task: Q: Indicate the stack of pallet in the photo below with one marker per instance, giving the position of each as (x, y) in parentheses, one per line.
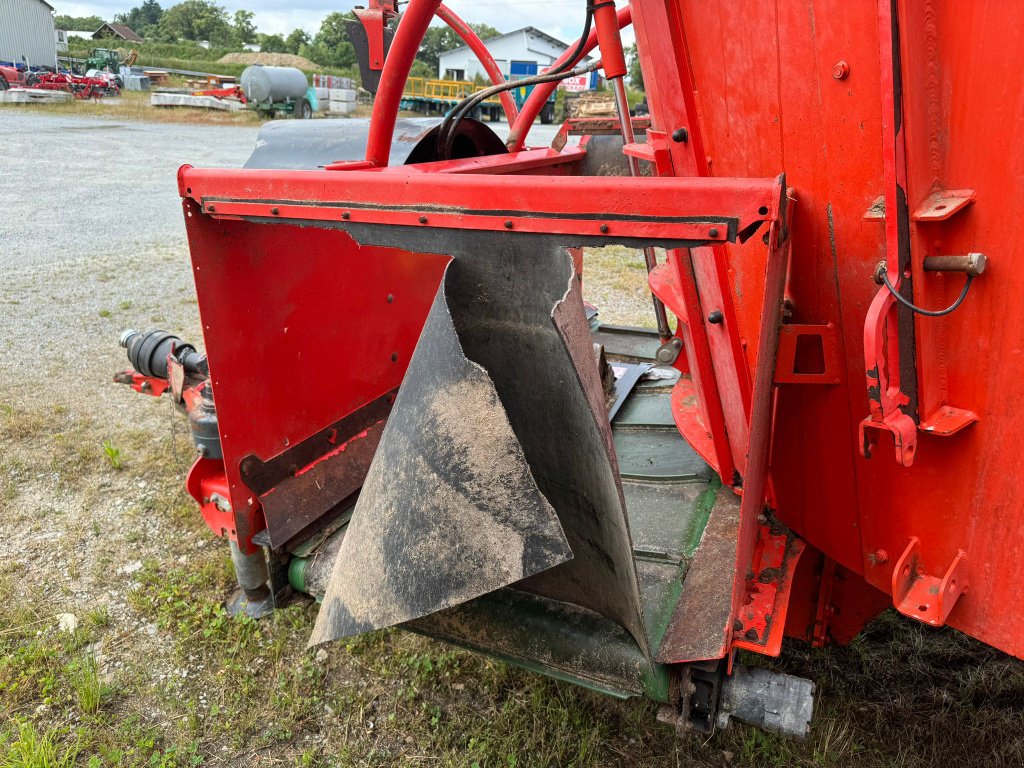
(591, 104)
(337, 95)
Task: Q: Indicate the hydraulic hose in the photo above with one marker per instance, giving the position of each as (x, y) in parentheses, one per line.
(449, 128)
(470, 38)
(446, 139)
(536, 100)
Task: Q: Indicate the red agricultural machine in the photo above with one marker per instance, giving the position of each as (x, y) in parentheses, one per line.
(81, 87)
(407, 410)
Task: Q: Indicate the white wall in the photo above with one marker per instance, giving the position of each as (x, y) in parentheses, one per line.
(26, 29)
(505, 50)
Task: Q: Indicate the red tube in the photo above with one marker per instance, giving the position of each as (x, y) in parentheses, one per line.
(613, 59)
(539, 96)
(403, 51)
(476, 45)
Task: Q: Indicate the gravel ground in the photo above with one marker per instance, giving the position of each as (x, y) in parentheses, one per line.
(94, 243)
(92, 224)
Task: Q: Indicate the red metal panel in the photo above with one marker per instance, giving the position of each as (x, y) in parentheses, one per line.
(299, 331)
(772, 102)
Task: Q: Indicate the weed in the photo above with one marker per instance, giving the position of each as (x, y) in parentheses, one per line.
(88, 688)
(32, 749)
(113, 454)
(125, 305)
(97, 617)
(105, 313)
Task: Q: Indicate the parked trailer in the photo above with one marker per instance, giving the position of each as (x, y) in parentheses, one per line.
(400, 410)
(438, 97)
(278, 91)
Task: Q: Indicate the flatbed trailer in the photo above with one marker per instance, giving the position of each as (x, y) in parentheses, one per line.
(438, 97)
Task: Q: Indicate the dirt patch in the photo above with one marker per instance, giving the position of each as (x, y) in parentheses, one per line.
(271, 60)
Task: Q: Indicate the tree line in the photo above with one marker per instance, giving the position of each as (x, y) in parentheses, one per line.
(204, 20)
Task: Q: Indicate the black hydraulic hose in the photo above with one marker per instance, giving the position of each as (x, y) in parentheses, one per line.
(450, 125)
(447, 140)
(926, 312)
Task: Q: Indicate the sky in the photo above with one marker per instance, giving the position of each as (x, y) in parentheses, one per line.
(561, 18)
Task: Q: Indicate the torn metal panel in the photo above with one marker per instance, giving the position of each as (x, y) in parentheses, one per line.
(450, 511)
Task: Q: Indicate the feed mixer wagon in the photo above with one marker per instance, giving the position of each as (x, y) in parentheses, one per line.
(407, 409)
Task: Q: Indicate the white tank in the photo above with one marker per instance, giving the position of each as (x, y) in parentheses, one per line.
(274, 84)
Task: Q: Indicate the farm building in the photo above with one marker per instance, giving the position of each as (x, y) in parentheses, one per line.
(26, 33)
(117, 31)
(518, 54)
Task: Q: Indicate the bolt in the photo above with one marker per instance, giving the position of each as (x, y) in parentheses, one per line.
(751, 634)
(508, 224)
(713, 232)
(391, 297)
(273, 211)
(394, 357)
(423, 219)
(680, 135)
(841, 70)
(737, 625)
(716, 317)
(604, 229)
(346, 215)
(880, 556)
(146, 386)
(210, 208)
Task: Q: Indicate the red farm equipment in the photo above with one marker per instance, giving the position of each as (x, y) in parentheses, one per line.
(400, 410)
(80, 86)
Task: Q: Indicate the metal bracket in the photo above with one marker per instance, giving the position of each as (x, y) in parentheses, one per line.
(947, 420)
(923, 597)
(943, 204)
(761, 620)
(669, 351)
(786, 365)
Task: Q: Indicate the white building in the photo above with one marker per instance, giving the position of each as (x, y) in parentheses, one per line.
(27, 35)
(524, 52)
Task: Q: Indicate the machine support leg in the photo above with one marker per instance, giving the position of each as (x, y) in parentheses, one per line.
(626, 125)
(253, 597)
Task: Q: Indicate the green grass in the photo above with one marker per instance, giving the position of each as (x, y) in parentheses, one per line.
(159, 675)
(113, 454)
(28, 748)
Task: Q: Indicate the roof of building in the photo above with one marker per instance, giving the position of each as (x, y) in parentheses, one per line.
(528, 30)
(120, 30)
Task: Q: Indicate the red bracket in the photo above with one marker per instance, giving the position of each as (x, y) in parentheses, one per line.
(788, 370)
(761, 621)
(923, 597)
(147, 385)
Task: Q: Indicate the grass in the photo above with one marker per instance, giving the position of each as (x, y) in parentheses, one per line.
(113, 454)
(157, 674)
(134, 105)
(31, 749)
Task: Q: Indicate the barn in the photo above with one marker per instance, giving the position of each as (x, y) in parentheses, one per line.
(524, 52)
(27, 34)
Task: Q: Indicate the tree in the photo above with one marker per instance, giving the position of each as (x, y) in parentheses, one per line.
(331, 46)
(272, 44)
(197, 20)
(636, 76)
(296, 40)
(245, 29)
(437, 40)
(77, 23)
(142, 18)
